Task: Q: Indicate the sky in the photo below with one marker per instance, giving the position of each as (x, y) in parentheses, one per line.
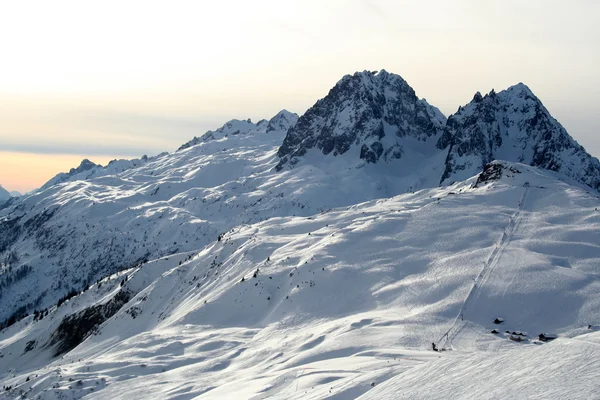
(119, 79)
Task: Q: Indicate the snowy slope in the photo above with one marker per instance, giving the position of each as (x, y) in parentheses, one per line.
(329, 305)
(512, 125)
(565, 368)
(281, 122)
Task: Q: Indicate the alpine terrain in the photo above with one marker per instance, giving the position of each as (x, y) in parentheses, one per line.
(370, 248)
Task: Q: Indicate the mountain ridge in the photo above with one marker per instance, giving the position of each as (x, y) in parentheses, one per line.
(377, 114)
(373, 110)
(513, 125)
(281, 121)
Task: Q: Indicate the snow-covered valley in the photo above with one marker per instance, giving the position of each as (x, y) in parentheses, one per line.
(218, 272)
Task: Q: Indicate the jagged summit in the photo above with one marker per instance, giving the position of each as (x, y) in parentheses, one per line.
(282, 121)
(83, 166)
(370, 112)
(512, 125)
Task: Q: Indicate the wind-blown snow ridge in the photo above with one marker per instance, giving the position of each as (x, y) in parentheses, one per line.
(281, 122)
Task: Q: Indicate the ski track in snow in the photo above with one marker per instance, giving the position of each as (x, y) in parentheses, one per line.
(448, 338)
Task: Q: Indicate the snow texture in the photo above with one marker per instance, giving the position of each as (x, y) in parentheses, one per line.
(279, 123)
(238, 267)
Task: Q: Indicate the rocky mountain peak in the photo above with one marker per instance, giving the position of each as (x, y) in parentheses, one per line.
(368, 113)
(512, 125)
(86, 167)
(83, 166)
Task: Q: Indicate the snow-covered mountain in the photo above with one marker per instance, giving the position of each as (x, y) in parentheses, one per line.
(92, 224)
(312, 257)
(512, 125)
(372, 116)
(95, 223)
(281, 122)
(4, 194)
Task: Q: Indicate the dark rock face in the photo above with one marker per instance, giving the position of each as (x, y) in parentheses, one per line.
(372, 153)
(84, 166)
(493, 172)
(372, 111)
(512, 125)
(75, 328)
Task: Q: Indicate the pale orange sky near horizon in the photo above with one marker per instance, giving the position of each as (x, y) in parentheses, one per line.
(39, 167)
(114, 79)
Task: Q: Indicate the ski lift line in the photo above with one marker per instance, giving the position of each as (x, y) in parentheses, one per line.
(488, 267)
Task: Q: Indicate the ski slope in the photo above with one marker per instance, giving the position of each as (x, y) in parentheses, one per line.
(346, 303)
(565, 368)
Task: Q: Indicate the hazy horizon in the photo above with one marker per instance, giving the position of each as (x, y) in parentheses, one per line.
(119, 80)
